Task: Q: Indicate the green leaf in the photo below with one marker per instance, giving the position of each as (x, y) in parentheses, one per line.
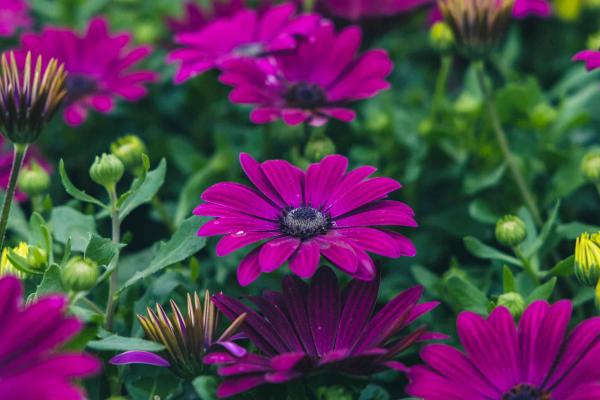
(508, 280)
(481, 250)
(51, 282)
(144, 192)
(564, 267)
(102, 250)
(121, 343)
(542, 292)
(374, 392)
(39, 233)
(483, 212)
(464, 295)
(182, 245)
(21, 263)
(572, 230)
(547, 229)
(426, 278)
(73, 190)
(68, 223)
(206, 387)
(474, 183)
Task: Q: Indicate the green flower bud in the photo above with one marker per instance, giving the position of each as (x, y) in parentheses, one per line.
(590, 166)
(543, 115)
(441, 37)
(587, 259)
(129, 150)
(593, 41)
(510, 231)
(107, 170)
(37, 258)
(514, 302)
(80, 274)
(33, 180)
(467, 104)
(319, 147)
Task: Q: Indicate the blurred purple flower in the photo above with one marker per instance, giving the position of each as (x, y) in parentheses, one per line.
(306, 329)
(30, 366)
(537, 360)
(312, 84)
(248, 34)
(355, 10)
(14, 15)
(590, 57)
(6, 159)
(99, 66)
(302, 215)
(196, 18)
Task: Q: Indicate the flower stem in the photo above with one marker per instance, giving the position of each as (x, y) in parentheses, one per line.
(19, 155)
(440, 85)
(113, 285)
(504, 145)
(598, 188)
(527, 265)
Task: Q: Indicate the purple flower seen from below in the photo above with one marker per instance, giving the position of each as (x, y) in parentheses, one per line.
(30, 365)
(536, 360)
(247, 34)
(99, 65)
(196, 18)
(317, 327)
(312, 84)
(14, 15)
(297, 216)
(361, 9)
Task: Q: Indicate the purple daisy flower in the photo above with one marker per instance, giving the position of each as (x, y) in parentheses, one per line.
(30, 366)
(317, 327)
(360, 9)
(14, 15)
(248, 34)
(537, 360)
(299, 216)
(313, 83)
(99, 66)
(196, 18)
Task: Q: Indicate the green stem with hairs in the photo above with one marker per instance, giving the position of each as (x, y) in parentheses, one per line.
(502, 140)
(113, 285)
(19, 155)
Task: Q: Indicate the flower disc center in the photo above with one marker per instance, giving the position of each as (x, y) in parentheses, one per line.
(305, 95)
(251, 50)
(79, 86)
(526, 392)
(304, 222)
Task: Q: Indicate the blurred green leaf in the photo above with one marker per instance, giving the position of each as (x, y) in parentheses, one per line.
(508, 280)
(120, 343)
(51, 282)
(74, 191)
(463, 295)
(68, 223)
(481, 250)
(206, 387)
(547, 229)
(146, 191)
(102, 250)
(542, 292)
(564, 267)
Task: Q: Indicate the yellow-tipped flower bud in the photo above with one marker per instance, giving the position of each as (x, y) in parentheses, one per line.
(33, 180)
(590, 166)
(80, 274)
(514, 302)
(441, 37)
(34, 257)
(510, 231)
(107, 170)
(587, 259)
(129, 150)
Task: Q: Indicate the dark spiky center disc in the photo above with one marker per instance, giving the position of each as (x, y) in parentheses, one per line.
(304, 222)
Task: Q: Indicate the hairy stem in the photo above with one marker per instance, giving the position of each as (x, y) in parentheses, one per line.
(19, 155)
(113, 285)
(502, 140)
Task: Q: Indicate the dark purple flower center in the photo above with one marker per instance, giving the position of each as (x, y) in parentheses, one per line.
(305, 95)
(80, 86)
(526, 392)
(304, 222)
(249, 50)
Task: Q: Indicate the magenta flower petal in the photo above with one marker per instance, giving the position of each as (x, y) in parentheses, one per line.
(15, 15)
(196, 18)
(275, 252)
(139, 357)
(590, 57)
(249, 269)
(312, 328)
(524, 8)
(361, 9)
(305, 261)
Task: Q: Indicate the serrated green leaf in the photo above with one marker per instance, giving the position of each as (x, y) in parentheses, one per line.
(121, 343)
(73, 190)
(183, 244)
(102, 250)
(68, 223)
(51, 282)
(481, 250)
(145, 191)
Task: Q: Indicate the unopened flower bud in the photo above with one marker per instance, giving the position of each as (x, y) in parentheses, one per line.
(107, 170)
(7, 267)
(129, 150)
(319, 147)
(587, 259)
(441, 37)
(33, 180)
(514, 302)
(543, 115)
(510, 231)
(37, 258)
(80, 274)
(590, 166)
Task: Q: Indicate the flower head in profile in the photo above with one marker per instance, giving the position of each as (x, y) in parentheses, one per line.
(14, 15)
(477, 24)
(315, 328)
(30, 94)
(31, 367)
(247, 34)
(186, 337)
(196, 18)
(587, 258)
(100, 66)
(361, 9)
(297, 216)
(536, 360)
(312, 84)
